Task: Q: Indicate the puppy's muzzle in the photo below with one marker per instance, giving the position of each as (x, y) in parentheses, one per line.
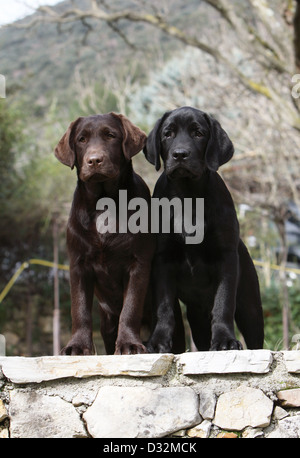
(180, 154)
(94, 160)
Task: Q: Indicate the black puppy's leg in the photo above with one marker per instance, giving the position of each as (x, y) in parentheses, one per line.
(249, 313)
(200, 325)
(223, 336)
(168, 333)
(249, 319)
(82, 291)
(178, 345)
(161, 339)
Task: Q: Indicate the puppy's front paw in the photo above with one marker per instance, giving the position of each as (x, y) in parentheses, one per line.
(129, 348)
(159, 345)
(226, 344)
(78, 345)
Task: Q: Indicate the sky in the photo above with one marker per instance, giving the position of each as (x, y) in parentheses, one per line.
(12, 10)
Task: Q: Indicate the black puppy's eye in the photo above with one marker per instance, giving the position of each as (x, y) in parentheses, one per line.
(198, 133)
(82, 139)
(169, 133)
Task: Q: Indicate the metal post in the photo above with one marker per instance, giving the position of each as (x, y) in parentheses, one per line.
(56, 312)
(2, 345)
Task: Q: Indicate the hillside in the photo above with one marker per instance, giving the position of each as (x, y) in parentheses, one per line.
(47, 60)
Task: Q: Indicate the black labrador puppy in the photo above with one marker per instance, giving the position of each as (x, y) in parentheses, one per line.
(215, 279)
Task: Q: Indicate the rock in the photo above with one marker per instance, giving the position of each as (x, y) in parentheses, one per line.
(4, 434)
(36, 370)
(252, 433)
(225, 362)
(202, 430)
(207, 404)
(292, 360)
(243, 407)
(3, 412)
(280, 413)
(179, 433)
(289, 398)
(141, 412)
(287, 428)
(227, 435)
(50, 417)
(81, 399)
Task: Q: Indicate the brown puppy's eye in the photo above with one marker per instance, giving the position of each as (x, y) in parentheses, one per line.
(82, 139)
(110, 135)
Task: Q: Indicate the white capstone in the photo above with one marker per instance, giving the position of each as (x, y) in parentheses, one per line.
(243, 407)
(141, 412)
(292, 360)
(225, 362)
(36, 370)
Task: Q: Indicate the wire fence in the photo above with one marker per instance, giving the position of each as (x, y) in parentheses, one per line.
(49, 264)
(41, 262)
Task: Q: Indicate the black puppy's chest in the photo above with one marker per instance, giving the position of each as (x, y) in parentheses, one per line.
(190, 266)
(194, 263)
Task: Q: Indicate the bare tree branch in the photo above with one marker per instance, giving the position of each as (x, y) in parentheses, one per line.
(246, 33)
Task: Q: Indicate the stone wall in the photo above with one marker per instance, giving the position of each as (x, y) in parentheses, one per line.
(202, 394)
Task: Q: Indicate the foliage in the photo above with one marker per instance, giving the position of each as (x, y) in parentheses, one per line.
(32, 190)
(273, 311)
(10, 132)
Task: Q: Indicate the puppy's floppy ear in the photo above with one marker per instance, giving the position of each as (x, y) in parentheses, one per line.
(65, 149)
(134, 138)
(152, 150)
(219, 148)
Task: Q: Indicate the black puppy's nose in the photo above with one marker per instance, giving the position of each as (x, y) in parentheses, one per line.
(94, 160)
(180, 154)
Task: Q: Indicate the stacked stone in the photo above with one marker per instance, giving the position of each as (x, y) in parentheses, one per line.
(201, 395)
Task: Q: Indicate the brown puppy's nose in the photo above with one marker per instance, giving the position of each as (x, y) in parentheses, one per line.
(94, 159)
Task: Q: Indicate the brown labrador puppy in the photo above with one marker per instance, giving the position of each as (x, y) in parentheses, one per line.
(116, 266)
